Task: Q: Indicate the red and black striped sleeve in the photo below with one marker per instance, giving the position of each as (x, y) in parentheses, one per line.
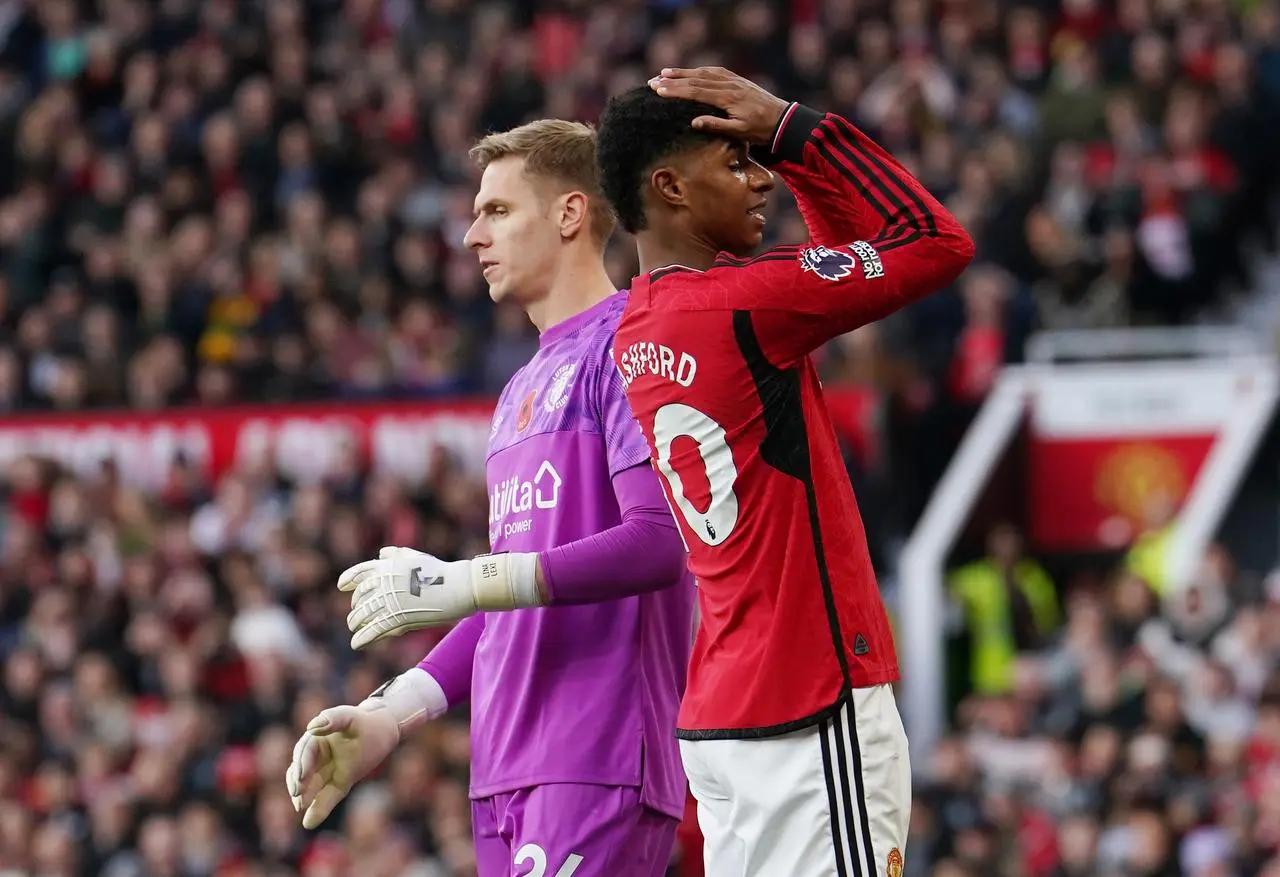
(879, 240)
(846, 187)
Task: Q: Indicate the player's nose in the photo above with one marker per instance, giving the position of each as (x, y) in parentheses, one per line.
(474, 239)
(761, 178)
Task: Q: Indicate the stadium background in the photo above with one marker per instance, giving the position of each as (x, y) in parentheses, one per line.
(241, 346)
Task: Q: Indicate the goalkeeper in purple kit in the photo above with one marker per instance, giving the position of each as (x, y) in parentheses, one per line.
(575, 768)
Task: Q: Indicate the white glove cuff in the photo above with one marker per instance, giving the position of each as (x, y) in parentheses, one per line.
(500, 582)
(413, 698)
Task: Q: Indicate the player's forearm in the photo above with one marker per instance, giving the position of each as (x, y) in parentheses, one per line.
(642, 554)
(635, 557)
(450, 662)
(906, 244)
(895, 197)
(846, 186)
(801, 153)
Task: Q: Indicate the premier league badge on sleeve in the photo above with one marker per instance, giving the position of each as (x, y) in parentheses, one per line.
(832, 264)
(827, 263)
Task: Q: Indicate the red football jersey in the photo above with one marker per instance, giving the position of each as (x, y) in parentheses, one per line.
(716, 367)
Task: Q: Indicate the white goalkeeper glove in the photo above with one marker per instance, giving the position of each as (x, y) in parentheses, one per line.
(343, 744)
(406, 590)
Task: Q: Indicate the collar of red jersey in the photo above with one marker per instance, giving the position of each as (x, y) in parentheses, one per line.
(653, 271)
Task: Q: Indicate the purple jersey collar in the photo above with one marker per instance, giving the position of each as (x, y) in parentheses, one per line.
(571, 325)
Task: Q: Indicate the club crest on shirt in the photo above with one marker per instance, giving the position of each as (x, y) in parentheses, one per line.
(526, 411)
(827, 263)
(893, 866)
(558, 392)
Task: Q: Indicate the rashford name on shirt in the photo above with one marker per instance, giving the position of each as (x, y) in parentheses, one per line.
(650, 358)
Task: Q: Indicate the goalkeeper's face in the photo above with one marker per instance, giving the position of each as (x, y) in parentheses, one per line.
(725, 196)
(516, 232)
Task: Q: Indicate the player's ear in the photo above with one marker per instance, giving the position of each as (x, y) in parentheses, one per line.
(574, 214)
(670, 182)
(668, 185)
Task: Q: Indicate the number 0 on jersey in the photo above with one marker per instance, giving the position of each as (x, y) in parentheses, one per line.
(670, 423)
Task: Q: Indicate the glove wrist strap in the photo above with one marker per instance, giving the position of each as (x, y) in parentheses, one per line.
(413, 698)
(501, 582)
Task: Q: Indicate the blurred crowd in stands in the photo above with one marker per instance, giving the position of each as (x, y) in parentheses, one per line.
(1130, 731)
(205, 202)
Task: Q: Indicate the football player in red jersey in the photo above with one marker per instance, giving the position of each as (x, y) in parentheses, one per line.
(789, 730)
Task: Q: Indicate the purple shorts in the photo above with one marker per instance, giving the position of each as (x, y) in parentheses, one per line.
(571, 830)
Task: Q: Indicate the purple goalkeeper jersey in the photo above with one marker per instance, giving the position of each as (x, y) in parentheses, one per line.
(583, 693)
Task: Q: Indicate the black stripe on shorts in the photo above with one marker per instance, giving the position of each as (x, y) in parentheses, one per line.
(845, 798)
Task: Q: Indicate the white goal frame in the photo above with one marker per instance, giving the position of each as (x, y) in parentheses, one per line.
(921, 573)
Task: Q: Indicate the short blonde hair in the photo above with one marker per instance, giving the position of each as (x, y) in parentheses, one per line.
(563, 153)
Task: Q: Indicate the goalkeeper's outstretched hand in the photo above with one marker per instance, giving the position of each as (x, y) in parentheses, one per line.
(344, 744)
(340, 747)
(404, 590)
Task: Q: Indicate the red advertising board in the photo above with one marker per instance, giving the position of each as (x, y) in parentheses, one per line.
(303, 440)
(1091, 493)
(1108, 445)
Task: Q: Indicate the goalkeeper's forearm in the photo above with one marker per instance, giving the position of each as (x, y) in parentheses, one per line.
(642, 554)
(639, 555)
(452, 659)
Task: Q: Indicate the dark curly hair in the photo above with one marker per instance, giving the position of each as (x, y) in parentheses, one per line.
(637, 130)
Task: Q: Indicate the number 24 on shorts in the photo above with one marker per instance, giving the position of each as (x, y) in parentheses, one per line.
(670, 423)
(537, 855)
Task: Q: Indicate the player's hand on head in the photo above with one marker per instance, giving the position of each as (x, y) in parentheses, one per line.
(340, 747)
(753, 112)
(404, 590)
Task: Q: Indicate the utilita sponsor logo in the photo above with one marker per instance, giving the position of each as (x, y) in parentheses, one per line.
(515, 497)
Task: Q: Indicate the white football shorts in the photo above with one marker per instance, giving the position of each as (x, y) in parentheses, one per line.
(831, 800)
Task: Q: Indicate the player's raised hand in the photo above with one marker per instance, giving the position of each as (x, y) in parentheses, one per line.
(404, 590)
(753, 112)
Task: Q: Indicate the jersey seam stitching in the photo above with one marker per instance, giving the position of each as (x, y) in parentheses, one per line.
(491, 454)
